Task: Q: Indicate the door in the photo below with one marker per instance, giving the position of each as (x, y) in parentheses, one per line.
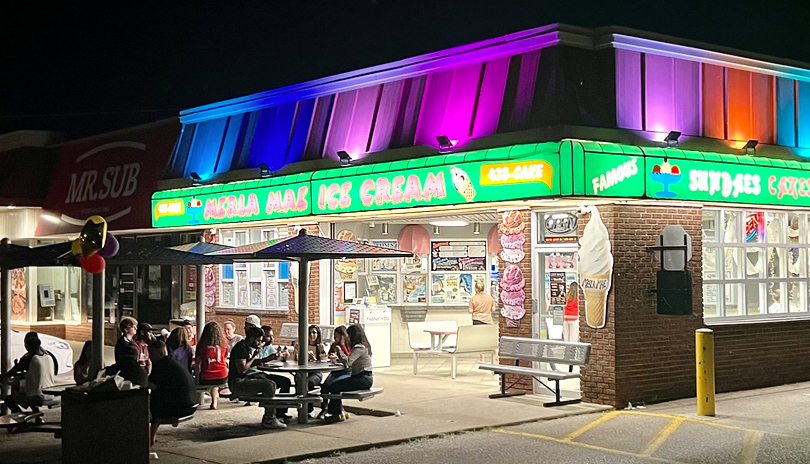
(555, 269)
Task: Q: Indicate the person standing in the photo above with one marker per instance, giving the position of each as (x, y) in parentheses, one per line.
(481, 307)
(571, 314)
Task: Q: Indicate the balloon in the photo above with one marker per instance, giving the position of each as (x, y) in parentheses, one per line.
(76, 248)
(93, 264)
(93, 235)
(111, 247)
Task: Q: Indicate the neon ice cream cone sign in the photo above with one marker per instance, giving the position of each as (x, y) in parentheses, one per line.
(595, 269)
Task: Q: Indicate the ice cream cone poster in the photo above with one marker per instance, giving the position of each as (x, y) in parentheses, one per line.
(595, 268)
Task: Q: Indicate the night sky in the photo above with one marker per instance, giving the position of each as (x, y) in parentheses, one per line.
(84, 70)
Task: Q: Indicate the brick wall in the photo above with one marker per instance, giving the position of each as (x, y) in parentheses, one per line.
(761, 355)
(641, 356)
(525, 328)
(54, 330)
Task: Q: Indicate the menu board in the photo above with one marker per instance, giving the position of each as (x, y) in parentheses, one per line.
(557, 288)
(458, 256)
(384, 264)
(414, 288)
(453, 288)
(415, 263)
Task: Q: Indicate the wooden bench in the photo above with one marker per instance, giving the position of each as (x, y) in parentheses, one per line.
(472, 339)
(552, 352)
(419, 340)
(360, 395)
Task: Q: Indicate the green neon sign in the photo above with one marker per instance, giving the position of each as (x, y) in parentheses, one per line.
(614, 175)
(469, 182)
(726, 182)
(193, 207)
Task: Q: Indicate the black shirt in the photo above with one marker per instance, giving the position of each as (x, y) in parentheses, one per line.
(174, 394)
(240, 351)
(119, 348)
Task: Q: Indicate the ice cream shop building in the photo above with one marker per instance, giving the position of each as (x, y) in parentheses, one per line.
(526, 163)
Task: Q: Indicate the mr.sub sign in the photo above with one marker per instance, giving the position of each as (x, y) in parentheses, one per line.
(112, 175)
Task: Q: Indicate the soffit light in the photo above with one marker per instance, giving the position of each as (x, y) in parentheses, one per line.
(196, 180)
(264, 171)
(345, 158)
(477, 228)
(671, 140)
(385, 229)
(435, 230)
(449, 223)
(750, 146)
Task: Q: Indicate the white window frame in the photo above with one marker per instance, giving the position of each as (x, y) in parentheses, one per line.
(765, 282)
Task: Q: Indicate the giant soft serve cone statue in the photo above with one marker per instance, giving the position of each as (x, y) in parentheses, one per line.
(595, 268)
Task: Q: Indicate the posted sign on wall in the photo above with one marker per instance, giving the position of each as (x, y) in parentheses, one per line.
(256, 204)
(726, 182)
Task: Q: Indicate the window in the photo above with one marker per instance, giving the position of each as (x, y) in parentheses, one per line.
(254, 286)
(754, 263)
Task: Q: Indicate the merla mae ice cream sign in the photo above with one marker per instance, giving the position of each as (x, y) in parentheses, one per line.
(595, 268)
(440, 185)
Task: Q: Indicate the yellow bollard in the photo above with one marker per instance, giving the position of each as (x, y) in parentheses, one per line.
(704, 358)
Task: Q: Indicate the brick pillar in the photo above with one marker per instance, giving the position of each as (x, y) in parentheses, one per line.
(525, 328)
(641, 356)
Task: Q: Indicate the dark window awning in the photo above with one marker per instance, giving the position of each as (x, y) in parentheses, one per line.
(307, 247)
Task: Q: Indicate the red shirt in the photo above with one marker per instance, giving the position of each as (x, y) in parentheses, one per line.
(571, 311)
(211, 362)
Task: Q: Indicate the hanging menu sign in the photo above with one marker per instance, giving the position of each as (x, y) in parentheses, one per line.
(458, 256)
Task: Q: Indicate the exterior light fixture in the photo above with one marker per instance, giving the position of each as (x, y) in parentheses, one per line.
(750, 147)
(371, 225)
(385, 229)
(345, 158)
(196, 180)
(671, 140)
(444, 142)
(264, 171)
(435, 230)
(11, 207)
(477, 228)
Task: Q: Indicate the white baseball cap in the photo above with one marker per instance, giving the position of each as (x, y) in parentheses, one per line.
(253, 320)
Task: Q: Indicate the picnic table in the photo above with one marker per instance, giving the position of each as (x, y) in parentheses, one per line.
(300, 372)
(438, 337)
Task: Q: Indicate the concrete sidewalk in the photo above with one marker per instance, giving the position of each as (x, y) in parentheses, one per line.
(429, 405)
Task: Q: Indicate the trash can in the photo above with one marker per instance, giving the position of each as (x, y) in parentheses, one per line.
(104, 427)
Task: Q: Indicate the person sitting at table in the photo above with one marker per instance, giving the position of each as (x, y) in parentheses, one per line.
(179, 348)
(317, 352)
(143, 337)
(26, 388)
(21, 366)
(231, 337)
(128, 367)
(341, 342)
(361, 379)
(127, 329)
(211, 362)
(268, 353)
(243, 356)
(81, 368)
(172, 394)
(191, 331)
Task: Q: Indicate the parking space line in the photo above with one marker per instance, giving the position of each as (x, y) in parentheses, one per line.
(605, 417)
(585, 445)
(751, 446)
(662, 436)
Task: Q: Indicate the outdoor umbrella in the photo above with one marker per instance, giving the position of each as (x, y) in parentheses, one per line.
(414, 238)
(305, 248)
